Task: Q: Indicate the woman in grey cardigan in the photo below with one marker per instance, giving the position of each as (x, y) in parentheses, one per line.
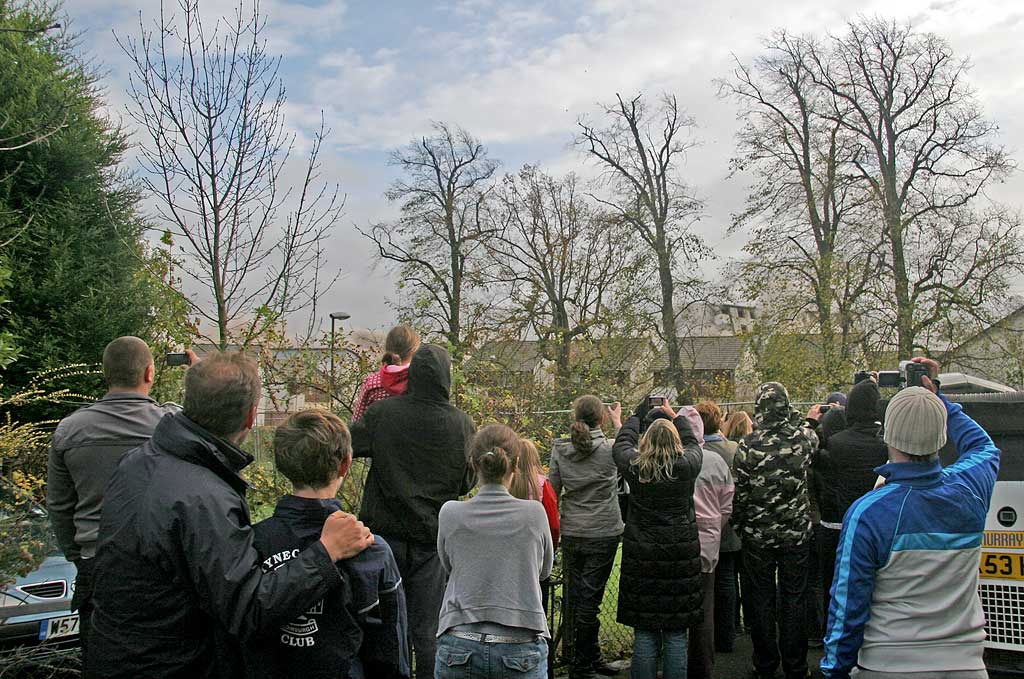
(496, 550)
(584, 476)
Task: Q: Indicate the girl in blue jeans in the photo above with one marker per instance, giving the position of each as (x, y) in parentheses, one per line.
(660, 588)
(496, 549)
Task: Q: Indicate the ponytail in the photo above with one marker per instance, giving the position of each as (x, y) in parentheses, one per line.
(400, 344)
(589, 414)
(494, 452)
(580, 437)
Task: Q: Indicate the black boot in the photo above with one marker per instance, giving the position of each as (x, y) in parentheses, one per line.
(586, 652)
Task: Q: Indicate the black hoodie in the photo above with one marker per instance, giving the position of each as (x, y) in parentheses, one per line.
(418, 444)
(849, 465)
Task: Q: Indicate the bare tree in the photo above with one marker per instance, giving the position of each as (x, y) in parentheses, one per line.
(926, 152)
(439, 237)
(561, 262)
(209, 102)
(639, 151)
(809, 250)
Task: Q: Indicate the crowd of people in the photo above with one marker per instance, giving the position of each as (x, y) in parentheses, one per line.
(710, 515)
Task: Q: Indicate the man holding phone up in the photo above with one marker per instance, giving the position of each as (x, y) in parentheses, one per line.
(87, 446)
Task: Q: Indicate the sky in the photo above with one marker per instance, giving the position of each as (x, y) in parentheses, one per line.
(519, 75)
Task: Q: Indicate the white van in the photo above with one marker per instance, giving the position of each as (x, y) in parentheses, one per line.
(1000, 412)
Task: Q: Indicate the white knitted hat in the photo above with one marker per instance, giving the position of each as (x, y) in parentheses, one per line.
(915, 422)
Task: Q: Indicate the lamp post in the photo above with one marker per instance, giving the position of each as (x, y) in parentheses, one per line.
(335, 316)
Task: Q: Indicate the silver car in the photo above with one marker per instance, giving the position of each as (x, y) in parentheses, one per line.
(36, 608)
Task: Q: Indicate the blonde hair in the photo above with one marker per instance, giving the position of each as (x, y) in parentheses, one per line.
(737, 425)
(524, 483)
(659, 448)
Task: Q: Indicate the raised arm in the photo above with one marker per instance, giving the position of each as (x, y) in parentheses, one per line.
(626, 441)
(978, 464)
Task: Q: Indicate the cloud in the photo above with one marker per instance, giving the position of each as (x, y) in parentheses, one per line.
(518, 76)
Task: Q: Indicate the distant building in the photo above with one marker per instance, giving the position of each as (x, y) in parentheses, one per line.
(297, 378)
(996, 353)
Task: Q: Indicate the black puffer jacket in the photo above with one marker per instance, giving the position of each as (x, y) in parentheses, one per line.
(418, 445)
(848, 463)
(178, 578)
(660, 585)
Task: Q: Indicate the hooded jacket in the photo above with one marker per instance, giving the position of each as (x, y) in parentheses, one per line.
(178, 578)
(418, 445)
(390, 380)
(712, 495)
(905, 593)
(660, 586)
(847, 466)
(771, 507)
(588, 488)
(716, 443)
(356, 630)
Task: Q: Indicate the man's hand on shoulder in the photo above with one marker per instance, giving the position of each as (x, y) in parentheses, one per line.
(344, 536)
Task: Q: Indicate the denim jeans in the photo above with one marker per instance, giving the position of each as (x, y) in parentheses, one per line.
(781, 605)
(423, 580)
(645, 654)
(464, 659)
(726, 601)
(587, 563)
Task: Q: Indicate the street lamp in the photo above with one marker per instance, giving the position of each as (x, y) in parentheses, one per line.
(336, 316)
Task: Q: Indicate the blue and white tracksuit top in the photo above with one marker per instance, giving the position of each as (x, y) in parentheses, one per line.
(905, 593)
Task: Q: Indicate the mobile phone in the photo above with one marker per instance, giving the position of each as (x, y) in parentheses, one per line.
(656, 401)
(175, 359)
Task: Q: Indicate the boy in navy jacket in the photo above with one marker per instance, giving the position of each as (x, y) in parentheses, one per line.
(358, 630)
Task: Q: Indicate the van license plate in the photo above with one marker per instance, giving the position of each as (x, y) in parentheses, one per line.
(55, 628)
(1002, 566)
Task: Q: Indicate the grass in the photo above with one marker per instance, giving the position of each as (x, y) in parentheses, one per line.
(616, 639)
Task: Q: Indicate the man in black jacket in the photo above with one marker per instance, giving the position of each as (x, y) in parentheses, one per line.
(178, 580)
(418, 445)
(846, 468)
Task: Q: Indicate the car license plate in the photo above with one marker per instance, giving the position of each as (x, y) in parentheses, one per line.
(1002, 566)
(55, 628)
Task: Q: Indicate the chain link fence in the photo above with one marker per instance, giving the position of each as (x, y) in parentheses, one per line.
(616, 640)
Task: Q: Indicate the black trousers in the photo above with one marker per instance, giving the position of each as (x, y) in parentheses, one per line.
(828, 543)
(81, 601)
(587, 563)
(726, 594)
(701, 648)
(777, 609)
(813, 600)
(424, 580)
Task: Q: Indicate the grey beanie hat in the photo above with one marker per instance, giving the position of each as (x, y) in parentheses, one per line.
(915, 422)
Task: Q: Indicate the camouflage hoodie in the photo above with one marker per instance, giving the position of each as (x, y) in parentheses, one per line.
(771, 507)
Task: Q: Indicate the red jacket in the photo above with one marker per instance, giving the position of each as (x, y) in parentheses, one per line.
(550, 502)
(387, 382)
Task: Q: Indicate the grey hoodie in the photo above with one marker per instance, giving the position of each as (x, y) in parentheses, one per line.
(587, 488)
